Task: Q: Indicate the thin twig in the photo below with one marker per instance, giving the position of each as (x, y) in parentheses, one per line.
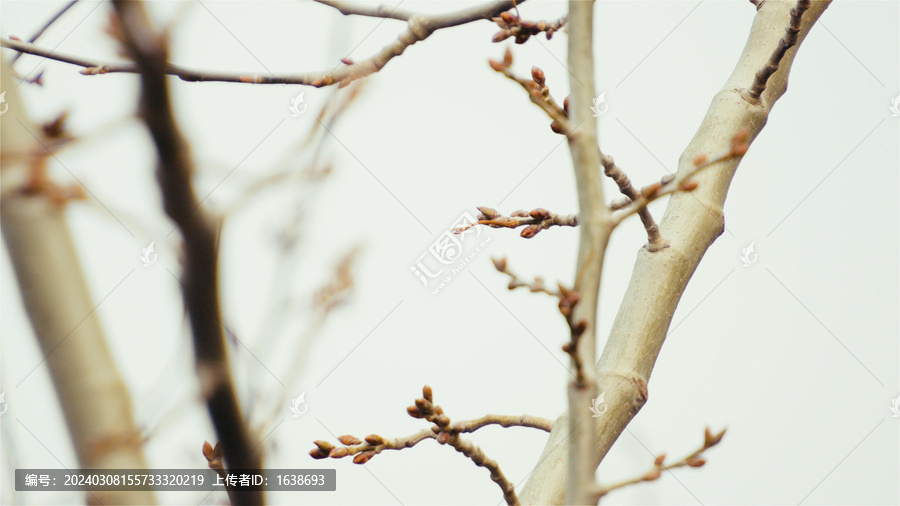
(44, 28)
(787, 41)
(199, 233)
(655, 241)
(534, 221)
(538, 92)
(691, 460)
(515, 282)
(419, 27)
(443, 430)
(740, 143)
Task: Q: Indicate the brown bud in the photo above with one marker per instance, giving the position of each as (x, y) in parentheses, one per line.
(496, 65)
(349, 440)
(520, 213)
(507, 57)
(374, 439)
(443, 438)
(443, 420)
(414, 412)
(487, 211)
(530, 231)
(506, 16)
(700, 160)
(427, 393)
(579, 328)
(710, 440)
(652, 475)
(689, 185)
(538, 75)
(566, 105)
(554, 126)
(338, 452)
(649, 191)
(740, 149)
(659, 460)
(695, 462)
(207, 451)
(540, 213)
(501, 36)
(317, 454)
(347, 61)
(438, 410)
(362, 458)
(435, 429)
(425, 406)
(499, 264)
(325, 446)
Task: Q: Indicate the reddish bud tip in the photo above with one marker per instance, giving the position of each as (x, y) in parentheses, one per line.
(700, 160)
(540, 213)
(349, 440)
(374, 439)
(538, 75)
(362, 458)
(652, 475)
(530, 231)
(696, 462)
(488, 212)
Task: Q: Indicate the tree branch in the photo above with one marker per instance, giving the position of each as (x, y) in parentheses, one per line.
(199, 232)
(595, 228)
(691, 224)
(443, 431)
(419, 27)
(94, 399)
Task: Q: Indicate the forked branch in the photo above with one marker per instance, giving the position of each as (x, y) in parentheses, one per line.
(442, 430)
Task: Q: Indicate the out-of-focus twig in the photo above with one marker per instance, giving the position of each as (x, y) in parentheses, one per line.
(419, 27)
(200, 287)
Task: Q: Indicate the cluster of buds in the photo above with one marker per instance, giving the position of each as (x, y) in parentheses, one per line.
(692, 460)
(534, 221)
(514, 26)
(426, 409)
(362, 451)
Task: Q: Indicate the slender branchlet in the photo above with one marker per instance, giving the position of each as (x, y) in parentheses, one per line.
(443, 430)
(787, 41)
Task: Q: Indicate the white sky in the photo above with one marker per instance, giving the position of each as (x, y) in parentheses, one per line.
(797, 354)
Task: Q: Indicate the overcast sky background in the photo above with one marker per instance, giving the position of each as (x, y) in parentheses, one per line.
(796, 354)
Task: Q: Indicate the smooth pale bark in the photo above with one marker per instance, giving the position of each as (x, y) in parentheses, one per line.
(94, 399)
(691, 224)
